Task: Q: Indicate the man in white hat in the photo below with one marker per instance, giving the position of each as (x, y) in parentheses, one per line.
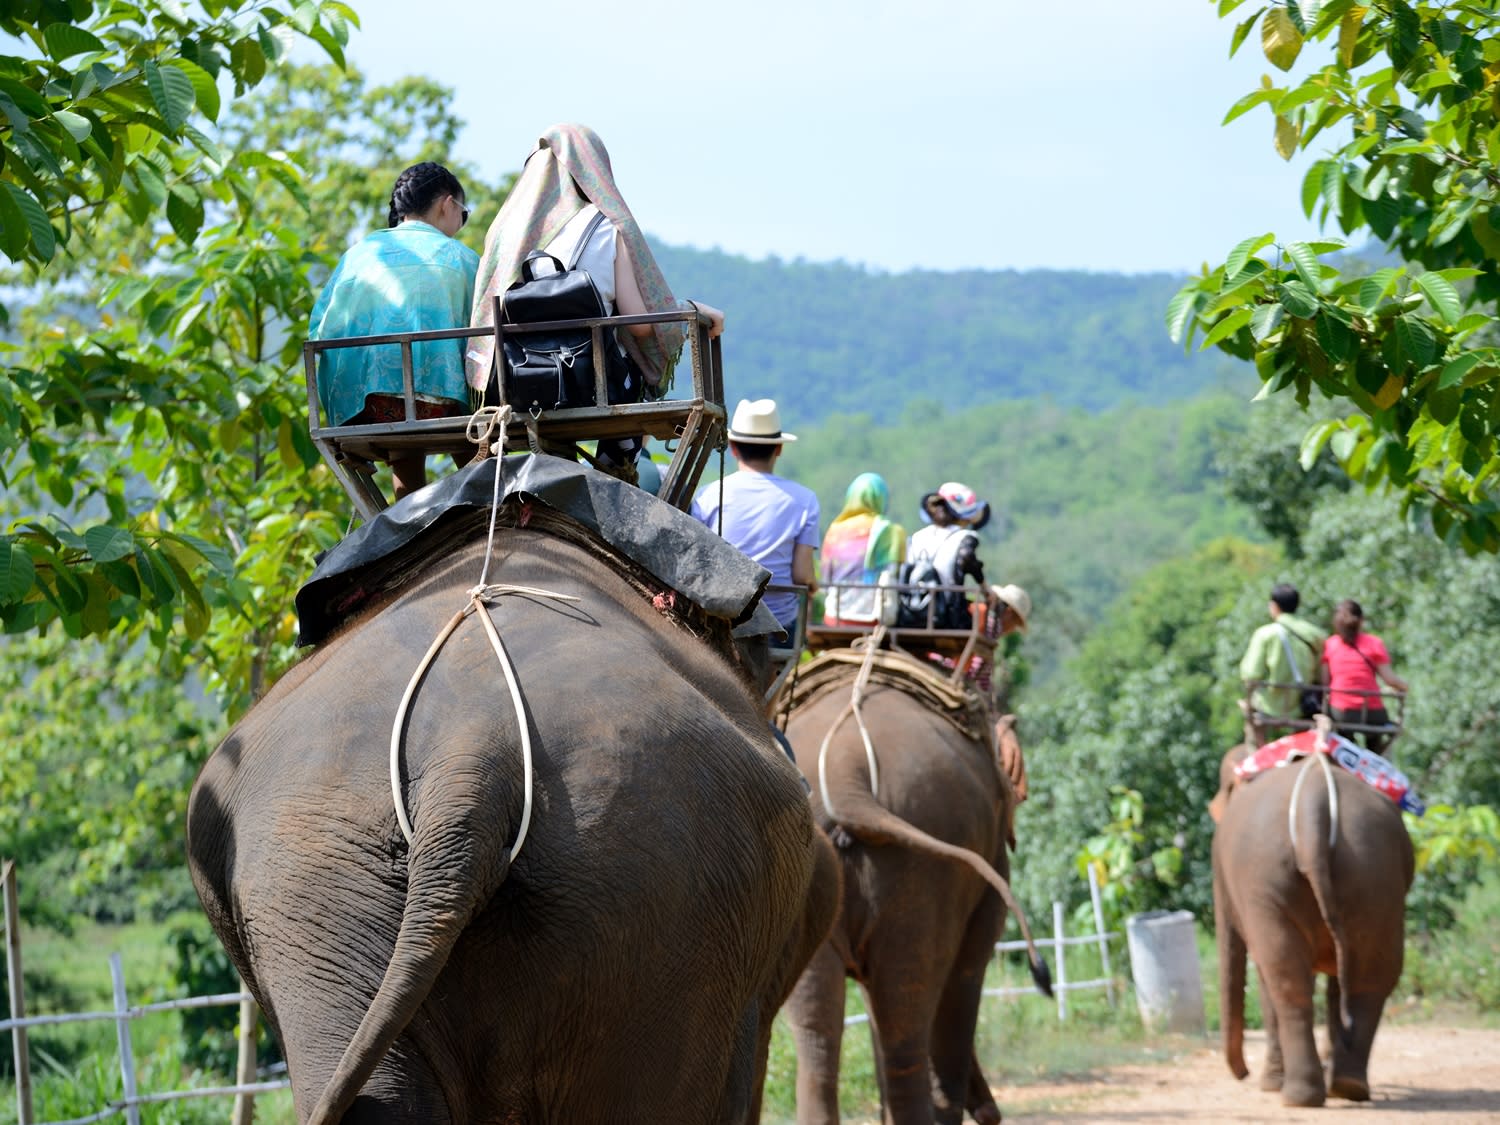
(769, 518)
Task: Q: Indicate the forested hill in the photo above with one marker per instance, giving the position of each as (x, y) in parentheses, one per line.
(826, 338)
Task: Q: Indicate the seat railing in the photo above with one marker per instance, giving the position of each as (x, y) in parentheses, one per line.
(1395, 709)
(696, 422)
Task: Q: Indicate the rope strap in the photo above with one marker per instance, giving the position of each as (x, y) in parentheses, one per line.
(484, 424)
(861, 681)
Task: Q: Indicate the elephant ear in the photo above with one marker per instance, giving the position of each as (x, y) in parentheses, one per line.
(1217, 805)
(1227, 779)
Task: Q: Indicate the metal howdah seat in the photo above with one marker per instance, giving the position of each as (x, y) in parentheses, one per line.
(924, 637)
(1393, 702)
(697, 424)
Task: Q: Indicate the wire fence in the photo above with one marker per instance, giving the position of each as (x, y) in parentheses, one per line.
(243, 1090)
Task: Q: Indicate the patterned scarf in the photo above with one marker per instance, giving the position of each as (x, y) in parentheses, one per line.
(568, 170)
(861, 528)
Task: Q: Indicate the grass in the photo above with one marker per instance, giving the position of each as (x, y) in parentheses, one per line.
(75, 1068)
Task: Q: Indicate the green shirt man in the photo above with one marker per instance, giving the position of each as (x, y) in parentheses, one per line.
(1266, 658)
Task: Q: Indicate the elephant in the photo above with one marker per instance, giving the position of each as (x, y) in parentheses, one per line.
(924, 898)
(625, 965)
(1304, 892)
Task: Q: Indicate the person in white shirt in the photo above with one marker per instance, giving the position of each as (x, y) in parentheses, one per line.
(769, 518)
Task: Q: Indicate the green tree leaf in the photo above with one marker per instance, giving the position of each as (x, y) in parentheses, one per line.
(185, 211)
(1306, 264)
(43, 239)
(1298, 299)
(205, 89)
(1280, 39)
(1242, 30)
(107, 544)
(171, 92)
(17, 573)
(1286, 137)
(1226, 327)
(1240, 255)
(1418, 340)
(1441, 294)
(78, 127)
(64, 40)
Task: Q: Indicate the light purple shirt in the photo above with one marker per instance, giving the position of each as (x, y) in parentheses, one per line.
(767, 517)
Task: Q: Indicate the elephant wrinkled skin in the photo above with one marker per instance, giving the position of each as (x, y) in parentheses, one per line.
(624, 968)
(918, 924)
(1305, 910)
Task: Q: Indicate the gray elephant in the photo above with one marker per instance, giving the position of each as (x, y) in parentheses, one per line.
(1307, 891)
(925, 892)
(625, 966)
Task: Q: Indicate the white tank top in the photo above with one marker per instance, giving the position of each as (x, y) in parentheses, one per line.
(598, 256)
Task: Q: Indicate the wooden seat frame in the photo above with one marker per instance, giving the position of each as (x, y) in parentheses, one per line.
(697, 424)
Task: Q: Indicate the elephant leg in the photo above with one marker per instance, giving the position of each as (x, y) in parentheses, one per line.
(815, 1010)
(1273, 1072)
(902, 1015)
(1349, 1053)
(958, 1015)
(981, 1102)
(1289, 988)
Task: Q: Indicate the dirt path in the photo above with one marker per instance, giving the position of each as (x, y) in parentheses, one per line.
(1435, 1075)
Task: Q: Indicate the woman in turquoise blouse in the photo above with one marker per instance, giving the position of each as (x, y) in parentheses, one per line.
(412, 277)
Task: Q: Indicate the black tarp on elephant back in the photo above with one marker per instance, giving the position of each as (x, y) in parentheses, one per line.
(402, 540)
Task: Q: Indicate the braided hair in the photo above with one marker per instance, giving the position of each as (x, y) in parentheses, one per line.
(418, 188)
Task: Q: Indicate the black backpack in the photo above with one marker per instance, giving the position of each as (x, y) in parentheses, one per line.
(555, 370)
(952, 610)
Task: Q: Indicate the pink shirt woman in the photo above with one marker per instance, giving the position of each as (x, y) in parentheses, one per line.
(1354, 664)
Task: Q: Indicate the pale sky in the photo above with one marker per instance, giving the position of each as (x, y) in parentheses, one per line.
(1082, 134)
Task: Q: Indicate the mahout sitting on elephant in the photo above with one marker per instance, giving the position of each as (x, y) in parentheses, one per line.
(925, 888)
(625, 964)
(1311, 868)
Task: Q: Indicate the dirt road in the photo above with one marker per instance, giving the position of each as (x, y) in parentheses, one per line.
(1435, 1075)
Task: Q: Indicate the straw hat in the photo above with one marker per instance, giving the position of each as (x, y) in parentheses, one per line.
(1015, 597)
(758, 423)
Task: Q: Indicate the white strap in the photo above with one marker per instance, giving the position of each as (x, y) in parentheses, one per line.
(1286, 647)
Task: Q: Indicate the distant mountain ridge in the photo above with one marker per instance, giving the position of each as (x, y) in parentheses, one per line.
(830, 338)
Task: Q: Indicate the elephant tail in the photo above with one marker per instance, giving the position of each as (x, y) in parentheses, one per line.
(1314, 853)
(872, 823)
(1232, 955)
(446, 884)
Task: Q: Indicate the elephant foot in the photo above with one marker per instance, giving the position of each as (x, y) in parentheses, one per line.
(987, 1115)
(1350, 1088)
(1271, 1080)
(1303, 1094)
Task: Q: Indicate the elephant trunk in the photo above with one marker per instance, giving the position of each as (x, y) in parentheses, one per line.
(1231, 987)
(459, 858)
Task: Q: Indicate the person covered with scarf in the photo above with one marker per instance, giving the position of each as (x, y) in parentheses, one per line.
(566, 182)
(861, 546)
(413, 276)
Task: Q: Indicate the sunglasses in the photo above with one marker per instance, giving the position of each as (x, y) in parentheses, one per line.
(463, 215)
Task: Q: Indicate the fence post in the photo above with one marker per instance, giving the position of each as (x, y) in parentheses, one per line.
(1109, 976)
(122, 1030)
(17, 993)
(1062, 961)
(244, 1074)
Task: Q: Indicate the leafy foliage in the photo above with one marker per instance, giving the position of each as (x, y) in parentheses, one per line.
(104, 105)
(1411, 345)
(1149, 705)
(169, 419)
(97, 752)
